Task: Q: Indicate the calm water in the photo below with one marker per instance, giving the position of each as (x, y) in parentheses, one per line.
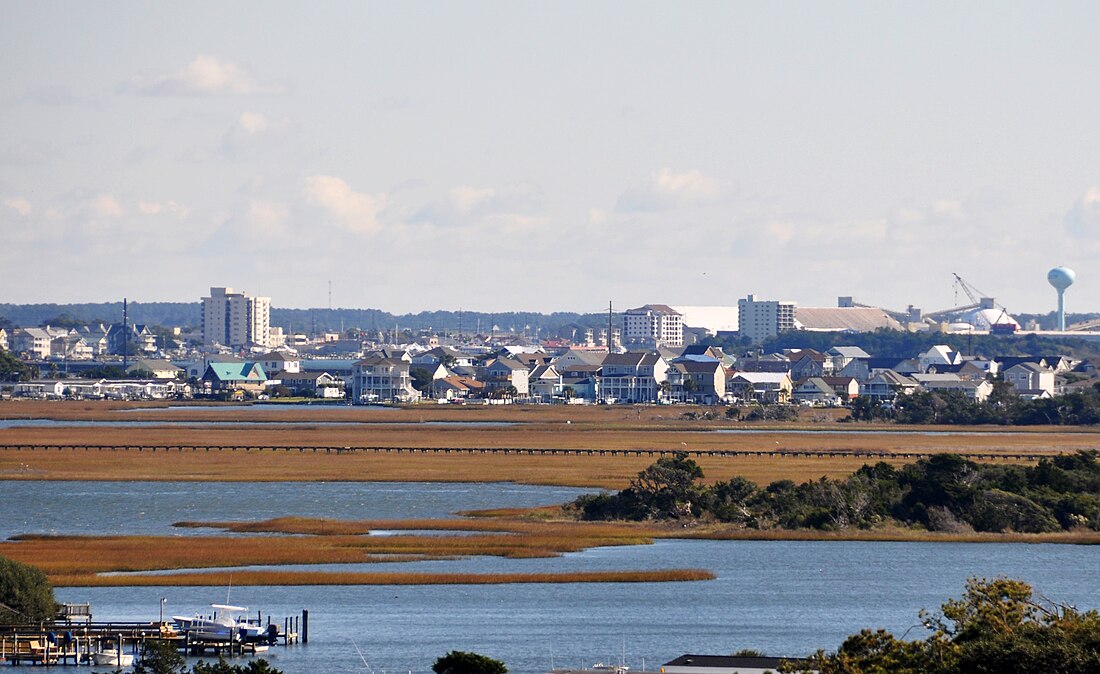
(152, 507)
(785, 598)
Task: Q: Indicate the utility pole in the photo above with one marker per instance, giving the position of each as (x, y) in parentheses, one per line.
(125, 336)
(609, 326)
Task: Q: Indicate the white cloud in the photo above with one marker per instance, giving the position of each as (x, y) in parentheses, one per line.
(253, 123)
(666, 190)
(107, 206)
(168, 208)
(948, 208)
(352, 210)
(19, 204)
(465, 199)
(268, 215)
(204, 76)
(514, 223)
(1083, 220)
(250, 128)
(926, 225)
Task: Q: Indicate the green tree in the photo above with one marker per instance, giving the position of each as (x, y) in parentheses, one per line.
(13, 369)
(462, 662)
(67, 321)
(104, 372)
(26, 595)
(421, 379)
(160, 657)
(259, 666)
(732, 501)
(665, 387)
(997, 627)
(666, 489)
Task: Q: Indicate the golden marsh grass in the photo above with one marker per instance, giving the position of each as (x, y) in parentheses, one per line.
(222, 579)
(590, 427)
(79, 560)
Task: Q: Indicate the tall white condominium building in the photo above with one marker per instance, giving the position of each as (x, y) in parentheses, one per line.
(760, 319)
(235, 319)
(653, 325)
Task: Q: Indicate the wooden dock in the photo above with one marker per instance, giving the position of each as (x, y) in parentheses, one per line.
(74, 644)
(530, 451)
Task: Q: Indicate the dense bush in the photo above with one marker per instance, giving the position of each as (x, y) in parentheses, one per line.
(462, 662)
(26, 595)
(944, 492)
(998, 627)
(1004, 407)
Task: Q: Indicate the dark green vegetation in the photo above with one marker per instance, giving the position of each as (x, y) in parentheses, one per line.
(162, 657)
(26, 596)
(896, 344)
(998, 627)
(13, 369)
(1003, 407)
(370, 321)
(106, 372)
(461, 662)
(942, 493)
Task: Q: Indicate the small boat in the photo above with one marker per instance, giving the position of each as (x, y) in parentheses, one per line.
(222, 626)
(112, 657)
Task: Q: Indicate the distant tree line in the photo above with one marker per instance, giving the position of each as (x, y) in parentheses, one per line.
(76, 315)
(367, 321)
(942, 493)
(884, 343)
(1003, 407)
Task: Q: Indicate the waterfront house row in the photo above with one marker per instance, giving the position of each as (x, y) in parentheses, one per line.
(529, 373)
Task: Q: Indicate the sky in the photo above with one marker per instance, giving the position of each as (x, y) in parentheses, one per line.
(549, 156)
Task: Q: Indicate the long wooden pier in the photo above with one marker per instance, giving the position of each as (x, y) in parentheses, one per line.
(540, 451)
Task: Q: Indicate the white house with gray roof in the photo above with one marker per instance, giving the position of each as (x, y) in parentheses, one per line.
(1031, 379)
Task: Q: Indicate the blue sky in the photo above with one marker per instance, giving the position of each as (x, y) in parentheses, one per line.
(549, 156)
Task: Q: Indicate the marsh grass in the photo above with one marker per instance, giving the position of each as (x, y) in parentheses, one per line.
(591, 427)
(80, 559)
(222, 579)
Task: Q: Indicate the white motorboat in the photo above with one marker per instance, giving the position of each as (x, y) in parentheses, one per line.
(222, 625)
(109, 657)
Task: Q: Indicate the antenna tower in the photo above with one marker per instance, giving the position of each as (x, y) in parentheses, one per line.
(125, 335)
